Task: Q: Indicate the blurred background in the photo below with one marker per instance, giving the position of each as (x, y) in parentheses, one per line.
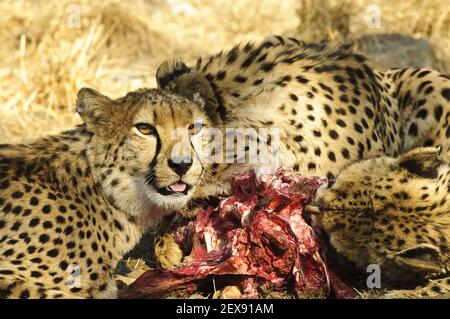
(50, 49)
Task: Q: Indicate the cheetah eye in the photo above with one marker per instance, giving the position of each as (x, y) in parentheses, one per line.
(145, 129)
(195, 128)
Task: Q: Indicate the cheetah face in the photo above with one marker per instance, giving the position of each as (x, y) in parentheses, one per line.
(145, 148)
(387, 211)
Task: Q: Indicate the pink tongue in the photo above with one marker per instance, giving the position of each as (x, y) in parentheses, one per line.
(178, 187)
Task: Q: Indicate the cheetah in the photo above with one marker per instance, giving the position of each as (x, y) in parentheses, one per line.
(395, 213)
(331, 108)
(71, 205)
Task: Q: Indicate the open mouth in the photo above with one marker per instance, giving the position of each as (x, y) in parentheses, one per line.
(175, 188)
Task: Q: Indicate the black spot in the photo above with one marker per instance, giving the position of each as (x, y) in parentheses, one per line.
(118, 225)
(446, 94)
(52, 196)
(68, 230)
(327, 109)
(358, 128)
(240, 79)
(17, 210)
(4, 185)
(221, 75)
(423, 113)
(34, 222)
(339, 79)
(34, 201)
(53, 253)
(232, 55)
(47, 225)
(423, 73)
(302, 79)
(412, 129)
(6, 272)
(31, 249)
(298, 138)
(447, 132)
(46, 209)
(438, 112)
(331, 156)
(341, 123)
(25, 294)
(8, 252)
(17, 195)
(44, 238)
(60, 219)
(16, 226)
(334, 135)
(258, 82)
(63, 265)
(345, 153)
(267, 66)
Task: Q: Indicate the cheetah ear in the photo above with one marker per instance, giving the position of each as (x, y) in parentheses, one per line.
(423, 258)
(422, 161)
(169, 71)
(175, 77)
(94, 108)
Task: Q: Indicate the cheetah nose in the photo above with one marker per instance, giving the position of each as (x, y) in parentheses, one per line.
(180, 165)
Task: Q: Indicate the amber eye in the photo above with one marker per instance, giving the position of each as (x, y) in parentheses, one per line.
(145, 129)
(195, 128)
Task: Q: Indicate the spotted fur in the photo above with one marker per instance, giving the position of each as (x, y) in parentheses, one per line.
(393, 212)
(332, 109)
(76, 202)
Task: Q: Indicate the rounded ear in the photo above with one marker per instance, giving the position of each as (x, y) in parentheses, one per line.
(423, 161)
(175, 77)
(169, 71)
(94, 108)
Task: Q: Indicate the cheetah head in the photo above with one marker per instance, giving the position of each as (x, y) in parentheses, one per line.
(145, 148)
(392, 212)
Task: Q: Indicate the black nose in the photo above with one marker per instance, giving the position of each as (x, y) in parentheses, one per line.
(180, 165)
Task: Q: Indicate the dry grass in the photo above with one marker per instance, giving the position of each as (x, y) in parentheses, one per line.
(43, 62)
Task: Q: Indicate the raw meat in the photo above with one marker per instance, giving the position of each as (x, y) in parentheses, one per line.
(256, 239)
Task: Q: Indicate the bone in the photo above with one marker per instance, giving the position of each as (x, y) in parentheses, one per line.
(311, 209)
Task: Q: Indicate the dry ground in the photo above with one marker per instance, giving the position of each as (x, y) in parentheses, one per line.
(45, 57)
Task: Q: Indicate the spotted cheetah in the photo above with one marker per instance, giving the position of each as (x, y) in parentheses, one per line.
(71, 205)
(395, 213)
(331, 107)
